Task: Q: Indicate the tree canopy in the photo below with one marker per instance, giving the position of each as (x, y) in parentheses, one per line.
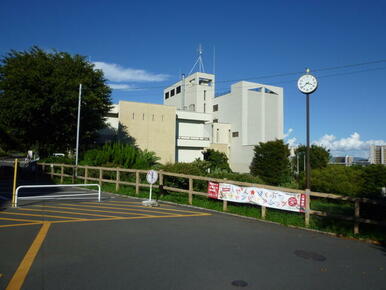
(39, 100)
(319, 156)
(271, 162)
(217, 160)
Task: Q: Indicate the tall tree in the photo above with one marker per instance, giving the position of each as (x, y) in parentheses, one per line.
(39, 99)
(271, 162)
(319, 157)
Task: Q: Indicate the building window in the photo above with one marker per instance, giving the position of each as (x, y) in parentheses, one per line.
(152, 117)
(178, 90)
(133, 116)
(166, 95)
(204, 108)
(162, 118)
(217, 135)
(143, 116)
(172, 93)
(204, 95)
(215, 120)
(215, 108)
(235, 134)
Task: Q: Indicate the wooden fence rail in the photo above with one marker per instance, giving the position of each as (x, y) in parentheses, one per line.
(356, 218)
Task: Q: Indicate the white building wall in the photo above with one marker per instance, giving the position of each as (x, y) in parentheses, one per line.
(254, 117)
(192, 135)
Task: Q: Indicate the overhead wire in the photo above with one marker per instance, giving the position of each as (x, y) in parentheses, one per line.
(279, 75)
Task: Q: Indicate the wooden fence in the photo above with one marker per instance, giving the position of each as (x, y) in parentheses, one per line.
(83, 173)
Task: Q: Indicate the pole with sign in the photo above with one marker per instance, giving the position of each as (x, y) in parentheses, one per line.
(151, 178)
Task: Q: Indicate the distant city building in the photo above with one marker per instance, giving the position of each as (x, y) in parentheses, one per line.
(193, 119)
(348, 160)
(377, 154)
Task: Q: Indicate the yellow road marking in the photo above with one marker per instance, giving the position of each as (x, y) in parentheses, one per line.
(122, 208)
(25, 265)
(84, 209)
(39, 215)
(19, 225)
(159, 208)
(69, 212)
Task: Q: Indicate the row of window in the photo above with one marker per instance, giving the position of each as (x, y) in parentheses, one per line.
(142, 116)
(173, 92)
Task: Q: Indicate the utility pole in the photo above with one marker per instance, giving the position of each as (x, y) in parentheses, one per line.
(77, 127)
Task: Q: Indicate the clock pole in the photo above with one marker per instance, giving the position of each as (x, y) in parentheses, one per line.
(308, 163)
(307, 84)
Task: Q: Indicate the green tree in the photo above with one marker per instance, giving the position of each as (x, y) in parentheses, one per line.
(39, 100)
(337, 179)
(271, 162)
(319, 157)
(374, 178)
(218, 160)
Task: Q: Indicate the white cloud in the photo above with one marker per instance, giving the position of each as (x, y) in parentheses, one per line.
(352, 144)
(290, 130)
(116, 73)
(123, 87)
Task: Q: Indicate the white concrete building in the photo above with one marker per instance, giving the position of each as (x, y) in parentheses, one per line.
(255, 114)
(377, 154)
(232, 123)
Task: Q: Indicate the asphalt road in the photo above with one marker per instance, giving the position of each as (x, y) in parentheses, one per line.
(118, 244)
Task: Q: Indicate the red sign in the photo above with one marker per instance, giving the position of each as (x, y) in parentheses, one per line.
(302, 202)
(213, 190)
(292, 201)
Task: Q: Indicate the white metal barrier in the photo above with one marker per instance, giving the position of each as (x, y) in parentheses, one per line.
(16, 197)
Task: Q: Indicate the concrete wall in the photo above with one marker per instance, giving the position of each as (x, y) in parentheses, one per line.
(153, 127)
(196, 94)
(255, 114)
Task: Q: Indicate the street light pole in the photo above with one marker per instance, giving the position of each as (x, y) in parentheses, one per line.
(77, 127)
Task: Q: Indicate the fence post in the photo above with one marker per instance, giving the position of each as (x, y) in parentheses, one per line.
(100, 176)
(61, 173)
(161, 183)
(73, 173)
(224, 205)
(263, 212)
(14, 184)
(190, 190)
(85, 174)
(137, 182)
(357, 215)
(117, 180)
(307, 213)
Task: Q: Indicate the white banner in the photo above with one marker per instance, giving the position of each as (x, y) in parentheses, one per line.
(260, 196)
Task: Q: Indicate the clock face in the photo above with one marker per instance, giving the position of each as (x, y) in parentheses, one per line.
(307, 84)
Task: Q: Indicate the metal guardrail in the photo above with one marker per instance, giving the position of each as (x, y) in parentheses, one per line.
(16, 197)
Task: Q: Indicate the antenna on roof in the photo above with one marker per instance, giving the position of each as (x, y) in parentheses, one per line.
(199, 62)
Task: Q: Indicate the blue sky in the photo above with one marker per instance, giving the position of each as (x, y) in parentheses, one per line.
(148, 44)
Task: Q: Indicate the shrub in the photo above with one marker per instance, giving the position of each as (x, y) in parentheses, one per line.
(217, 160)
(242, 177)
(337, 179)
(181, 168)
(58, 160)
(374, 178)
(120, 155)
